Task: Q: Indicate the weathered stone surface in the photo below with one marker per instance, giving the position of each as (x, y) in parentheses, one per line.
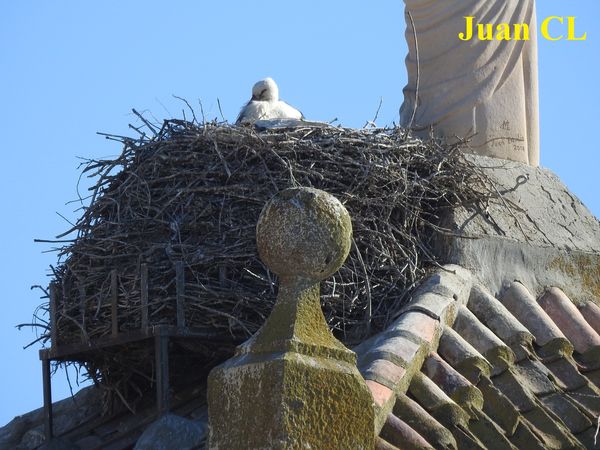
(540, 234)
(304, 232)
(289, 401)
(293, 385)
(170, 432)
(33, 438)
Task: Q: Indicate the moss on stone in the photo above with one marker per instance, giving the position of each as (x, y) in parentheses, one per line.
(289, 401)
(581, 266)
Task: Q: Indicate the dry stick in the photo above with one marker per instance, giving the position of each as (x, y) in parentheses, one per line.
(222, 159)
(144, 294)
(372, 122)
(146, 122)
(141, 133)
(203, 116)
(367, 286)
(180, 294)
(114, 295)
(189, 106)
(220, 110)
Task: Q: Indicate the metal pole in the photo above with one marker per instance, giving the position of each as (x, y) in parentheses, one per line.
(161, 346)
(48, 425)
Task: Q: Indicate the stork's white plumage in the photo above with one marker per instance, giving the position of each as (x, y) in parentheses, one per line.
(265, 104)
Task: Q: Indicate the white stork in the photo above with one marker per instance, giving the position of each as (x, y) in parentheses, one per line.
(265, 104)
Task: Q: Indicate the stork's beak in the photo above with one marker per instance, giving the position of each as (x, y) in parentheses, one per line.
(254, 97)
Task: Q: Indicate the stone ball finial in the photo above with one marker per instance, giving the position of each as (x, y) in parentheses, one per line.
(304, 232)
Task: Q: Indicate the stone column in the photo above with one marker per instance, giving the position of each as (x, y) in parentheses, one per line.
(485, 90)
(293, 385)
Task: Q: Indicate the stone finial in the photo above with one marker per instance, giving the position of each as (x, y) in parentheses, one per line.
(293, 384)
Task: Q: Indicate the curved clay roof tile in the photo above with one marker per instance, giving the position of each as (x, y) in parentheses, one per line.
(591, 313)
(519, 301)
(568, 318)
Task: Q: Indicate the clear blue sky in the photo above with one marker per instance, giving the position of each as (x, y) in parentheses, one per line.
(71, 68)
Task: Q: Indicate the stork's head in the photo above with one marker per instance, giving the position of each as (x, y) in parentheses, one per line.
(265, 90)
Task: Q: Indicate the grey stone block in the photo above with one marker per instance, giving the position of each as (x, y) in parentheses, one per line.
(172, 432)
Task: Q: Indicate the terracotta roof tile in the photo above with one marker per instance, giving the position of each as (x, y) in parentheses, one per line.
(593, 376)
(570, 321)
(381, 444)
(419, 324)
(588, 398)
(463, 356)
(384, 372)
(497, 318)
(566, 373)
(591, 313)
(511, 386)
(457, 387)
(484, 340)
(523, 306)
(399, 433)
(494, 374)
(498, 406)
(432, 304)
(422, 422)
(588, 438)
(466, 439)
(437, 403)
(381, 394)
(451, 281)
(575, 420)
(550, 430)
(525, 438)
(489, 433)
(535, 376)
(398, 349)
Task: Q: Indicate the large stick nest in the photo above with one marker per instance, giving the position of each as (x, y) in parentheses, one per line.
(193, 193)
